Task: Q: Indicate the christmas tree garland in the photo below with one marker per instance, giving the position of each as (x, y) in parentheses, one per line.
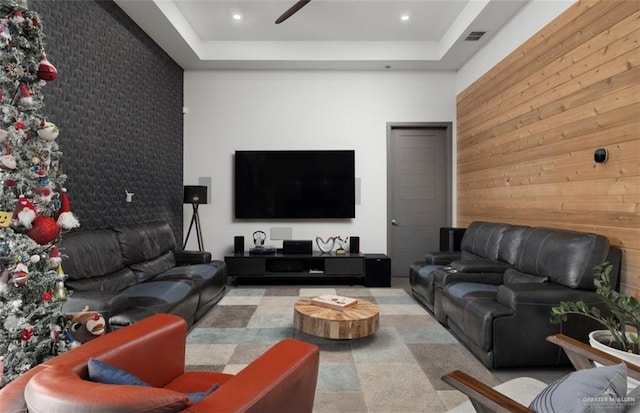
(34, 208)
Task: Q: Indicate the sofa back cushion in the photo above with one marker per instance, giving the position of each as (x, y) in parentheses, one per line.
(148, 269)
(482, 240)
(144, 242)
(93, 260)
(567, 257)
(147, 248)
(510, 243)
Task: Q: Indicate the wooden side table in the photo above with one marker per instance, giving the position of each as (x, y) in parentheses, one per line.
(359, 321)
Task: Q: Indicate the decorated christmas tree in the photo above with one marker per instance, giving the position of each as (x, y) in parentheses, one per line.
(34, 208)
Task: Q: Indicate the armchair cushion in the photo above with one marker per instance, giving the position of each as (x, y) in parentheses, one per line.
(581, 390)
(104, 373)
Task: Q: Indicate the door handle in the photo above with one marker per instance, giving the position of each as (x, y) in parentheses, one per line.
(394, 223)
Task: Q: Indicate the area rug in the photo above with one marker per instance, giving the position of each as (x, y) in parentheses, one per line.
(397, 369)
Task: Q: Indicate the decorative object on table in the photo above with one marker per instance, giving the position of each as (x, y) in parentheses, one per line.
(342, 243)
(195, 195)
(326, 246)
(623, 322)
(335, 302)
(259, 238)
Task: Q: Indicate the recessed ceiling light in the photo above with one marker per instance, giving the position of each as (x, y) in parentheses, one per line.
(405, 17)
(237, 16)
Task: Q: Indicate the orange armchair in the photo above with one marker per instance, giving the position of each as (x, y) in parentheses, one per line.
(282, 379)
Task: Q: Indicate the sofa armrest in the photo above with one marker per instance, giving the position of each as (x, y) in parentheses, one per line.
(479, 266)
(545, 294)
(441, 257)
(59, 389)
(283, 379)
(482, 397)
(189, 257)
(105, 303)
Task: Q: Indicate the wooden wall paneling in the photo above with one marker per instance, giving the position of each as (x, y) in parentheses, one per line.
(526, 48)
(527, 130)
(579, 29)
(556, 73)
(618, 73)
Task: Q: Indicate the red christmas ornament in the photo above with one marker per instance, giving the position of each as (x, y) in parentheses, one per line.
(46, 71)
(44, 230)
(46, 296)
(20, 125)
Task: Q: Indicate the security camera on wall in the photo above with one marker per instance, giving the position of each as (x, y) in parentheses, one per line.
(600, 155)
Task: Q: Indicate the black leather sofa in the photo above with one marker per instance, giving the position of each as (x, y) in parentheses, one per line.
(129, 273)
(496, 294)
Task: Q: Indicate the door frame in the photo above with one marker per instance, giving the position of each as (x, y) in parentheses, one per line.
(448, 128)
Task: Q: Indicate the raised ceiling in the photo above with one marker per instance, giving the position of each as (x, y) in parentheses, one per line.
(324, 34)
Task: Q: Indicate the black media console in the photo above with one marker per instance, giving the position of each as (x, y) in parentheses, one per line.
(374, 270)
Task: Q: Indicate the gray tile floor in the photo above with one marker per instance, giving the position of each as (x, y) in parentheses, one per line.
(546, 375)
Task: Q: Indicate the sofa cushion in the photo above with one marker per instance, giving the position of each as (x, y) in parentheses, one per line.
(158, 293)
(482, 240)
(90, 254)
(144, 242)
(567, 257)
(148, 269)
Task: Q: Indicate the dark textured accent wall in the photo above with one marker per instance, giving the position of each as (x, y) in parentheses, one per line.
(118, 102)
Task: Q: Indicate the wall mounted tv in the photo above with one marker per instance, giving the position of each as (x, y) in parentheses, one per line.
(295, 184)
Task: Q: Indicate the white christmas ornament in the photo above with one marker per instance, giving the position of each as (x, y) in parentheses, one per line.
(8, 161)
(48, 131)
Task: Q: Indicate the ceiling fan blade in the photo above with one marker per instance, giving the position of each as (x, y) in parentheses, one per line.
(292, 10)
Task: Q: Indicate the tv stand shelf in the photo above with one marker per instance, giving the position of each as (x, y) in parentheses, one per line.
(312, 266)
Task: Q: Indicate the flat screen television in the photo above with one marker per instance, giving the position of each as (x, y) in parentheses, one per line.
(295, 184)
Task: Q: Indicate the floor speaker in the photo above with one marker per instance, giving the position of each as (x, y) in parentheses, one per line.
(354, 245)
(450, 238)
(238, 245)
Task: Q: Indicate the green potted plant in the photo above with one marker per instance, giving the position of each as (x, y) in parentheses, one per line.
(622, 320)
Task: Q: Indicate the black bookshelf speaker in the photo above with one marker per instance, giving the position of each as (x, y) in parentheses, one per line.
(238, 244)
(195, 194)
(354, 245)
(450, 238)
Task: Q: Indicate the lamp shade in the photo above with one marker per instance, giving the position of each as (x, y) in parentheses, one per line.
(195, 194)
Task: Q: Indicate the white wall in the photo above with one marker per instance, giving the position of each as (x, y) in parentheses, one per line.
(528, 21)
(243, 110)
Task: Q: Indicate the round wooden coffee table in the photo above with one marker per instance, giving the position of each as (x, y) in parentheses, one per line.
(359, 321)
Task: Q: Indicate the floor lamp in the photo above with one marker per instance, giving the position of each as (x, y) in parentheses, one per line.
(195, 195)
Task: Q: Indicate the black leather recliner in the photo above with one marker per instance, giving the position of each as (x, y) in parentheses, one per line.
(500, 308)
(131, 272)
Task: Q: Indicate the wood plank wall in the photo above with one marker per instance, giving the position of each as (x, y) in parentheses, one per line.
(528, 128)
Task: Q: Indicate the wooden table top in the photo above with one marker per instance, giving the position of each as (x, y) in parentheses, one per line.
(359, 321)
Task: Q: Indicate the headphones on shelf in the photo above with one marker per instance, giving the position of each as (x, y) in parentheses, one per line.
(258, 238)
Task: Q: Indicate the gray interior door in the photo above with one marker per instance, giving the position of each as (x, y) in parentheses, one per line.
(419, 192)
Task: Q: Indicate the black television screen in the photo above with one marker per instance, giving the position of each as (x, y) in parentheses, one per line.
(295, 184)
